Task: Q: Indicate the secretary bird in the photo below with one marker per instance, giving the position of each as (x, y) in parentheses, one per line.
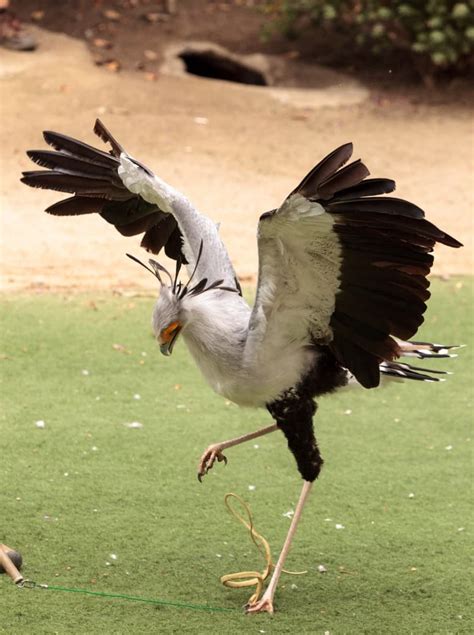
(342, 286)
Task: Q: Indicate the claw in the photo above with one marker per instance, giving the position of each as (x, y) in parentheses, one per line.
(264, 605)
(208, 459)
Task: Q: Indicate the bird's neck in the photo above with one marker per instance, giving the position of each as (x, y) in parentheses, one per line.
(215, 333)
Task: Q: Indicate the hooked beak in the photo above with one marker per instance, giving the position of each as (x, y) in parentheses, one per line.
(166, 348)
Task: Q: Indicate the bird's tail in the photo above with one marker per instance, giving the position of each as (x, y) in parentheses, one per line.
(421, 350)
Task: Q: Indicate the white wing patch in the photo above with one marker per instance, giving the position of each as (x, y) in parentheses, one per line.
(151, 188)
(297, 207)
(299, 268)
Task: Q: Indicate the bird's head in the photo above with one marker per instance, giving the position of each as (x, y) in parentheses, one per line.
(168, 319)
(171, 313)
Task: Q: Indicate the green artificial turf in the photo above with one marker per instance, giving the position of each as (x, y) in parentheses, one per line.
(86, 486)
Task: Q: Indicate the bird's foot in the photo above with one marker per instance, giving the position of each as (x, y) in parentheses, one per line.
(208, 459)
(264, 605)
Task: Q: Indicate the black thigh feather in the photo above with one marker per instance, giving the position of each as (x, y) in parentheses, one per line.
(294, 410)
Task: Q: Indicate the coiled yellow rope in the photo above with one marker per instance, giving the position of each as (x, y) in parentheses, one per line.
(242, 579)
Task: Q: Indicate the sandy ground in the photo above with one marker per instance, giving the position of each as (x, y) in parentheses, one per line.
(249, 154)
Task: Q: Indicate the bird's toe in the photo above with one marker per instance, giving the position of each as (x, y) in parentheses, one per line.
(264, 605)
(208, 459)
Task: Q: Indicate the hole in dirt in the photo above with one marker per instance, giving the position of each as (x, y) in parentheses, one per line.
(214, 66)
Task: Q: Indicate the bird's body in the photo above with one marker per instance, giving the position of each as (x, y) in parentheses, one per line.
(342, 286)
(233, 363)
(224, 360)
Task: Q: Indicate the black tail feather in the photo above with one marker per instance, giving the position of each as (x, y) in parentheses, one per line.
(406, 371)
(427, 350)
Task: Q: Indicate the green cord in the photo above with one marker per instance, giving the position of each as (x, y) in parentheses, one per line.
(135, 598)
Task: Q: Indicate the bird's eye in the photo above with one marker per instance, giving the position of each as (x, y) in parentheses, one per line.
(168, 332)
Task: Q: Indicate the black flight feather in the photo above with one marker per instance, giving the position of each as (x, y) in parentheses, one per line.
(158, 236)
(363, 365)
(76, 205)
(92, 176)
(102, 132)
(64, 160)
(75, 183)
(325, 168)
(174, 246)
(368, 187)
(140, 225)
(376, 204)
(346, 177)
(79, 148)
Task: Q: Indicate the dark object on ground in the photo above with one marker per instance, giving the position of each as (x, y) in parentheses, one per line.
(10, 563)
(13, 34)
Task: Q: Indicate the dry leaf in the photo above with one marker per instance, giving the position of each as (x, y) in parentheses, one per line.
(102, 43)
(111, 14)
(120, 348)
(300, 116)
(37, 16)
(153, 17)
(150, 55)
(113, 66)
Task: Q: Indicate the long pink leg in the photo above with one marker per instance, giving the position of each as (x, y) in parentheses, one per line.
(265, 604)
(214, 451)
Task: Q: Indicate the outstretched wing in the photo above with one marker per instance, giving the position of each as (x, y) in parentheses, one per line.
(342, 266)
(130, 197)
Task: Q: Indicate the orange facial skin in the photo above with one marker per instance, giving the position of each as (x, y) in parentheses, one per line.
(168, 337)
(168, 333)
